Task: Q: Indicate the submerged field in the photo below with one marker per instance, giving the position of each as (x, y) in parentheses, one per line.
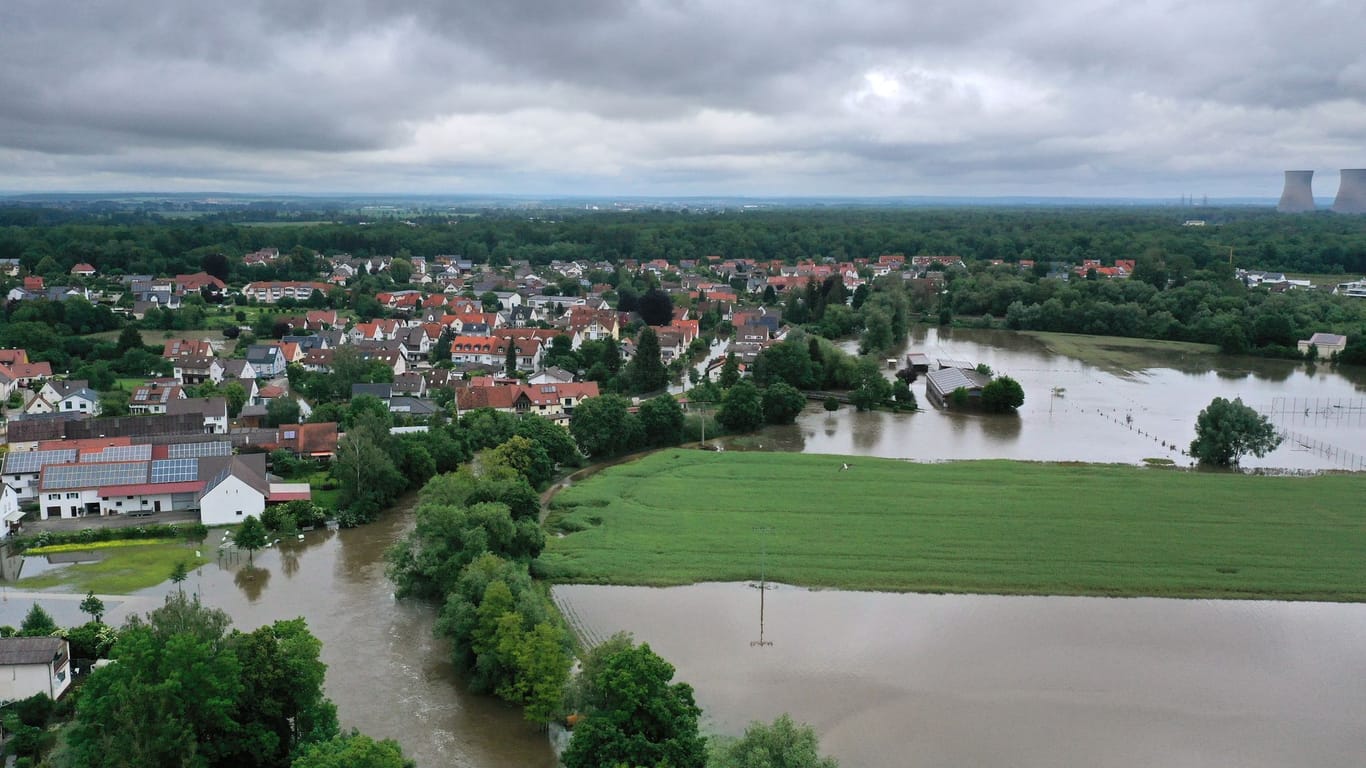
(1116, 352)
(683, 516)
(126, 567)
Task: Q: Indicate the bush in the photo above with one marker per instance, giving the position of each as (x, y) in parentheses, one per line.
(832, 404)
(188, 532)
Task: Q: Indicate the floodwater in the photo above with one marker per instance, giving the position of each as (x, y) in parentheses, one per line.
(388, 674)
(1079, 412)
(905, 680)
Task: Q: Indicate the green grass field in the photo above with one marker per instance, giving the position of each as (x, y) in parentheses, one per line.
(1116, 352)
(681, 516)
(125, 569)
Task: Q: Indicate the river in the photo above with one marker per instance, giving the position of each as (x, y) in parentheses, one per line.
(1099, 414)
(911, 681)
(388, 674)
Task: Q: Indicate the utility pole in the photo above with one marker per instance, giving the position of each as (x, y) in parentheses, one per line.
(763, 586)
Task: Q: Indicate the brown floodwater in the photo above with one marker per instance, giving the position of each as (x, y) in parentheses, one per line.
(1079, 412)
(904, 680)
(388, 674)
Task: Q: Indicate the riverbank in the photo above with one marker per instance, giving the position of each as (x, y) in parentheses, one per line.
(994, 527)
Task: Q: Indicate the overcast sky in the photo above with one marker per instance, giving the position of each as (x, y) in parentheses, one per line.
(681, 97)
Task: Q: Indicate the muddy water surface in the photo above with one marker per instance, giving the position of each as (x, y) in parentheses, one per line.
(900, 681)
(1079, 412)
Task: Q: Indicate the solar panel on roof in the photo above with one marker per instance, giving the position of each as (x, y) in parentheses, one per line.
(92, 475)
(34, 461)
(120, 453)
(174, 470)
(195, 450)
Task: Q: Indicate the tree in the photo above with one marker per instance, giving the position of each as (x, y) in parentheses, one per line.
(251, 536)
(782, 402)
(93, 606)
(169, 698)
(282, 705)
(365, 470)
(129, 339)
(555, 439)
(526, 457)
(179, 574)
(353, 750)
(637, 717)
(602, 426)
(784, 744)
(282, 410)
(441, 350)
(788, 361)
(236, 395)
(1002, 395)
(646, 371)
(510, 360)
(661, 418)
(1226, 431)
(741, 410)
(37, 623)
(730, 372)
(656, 307)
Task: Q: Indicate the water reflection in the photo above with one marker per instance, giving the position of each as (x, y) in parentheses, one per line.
(252, 581)
(933, 680)
(1146, 410)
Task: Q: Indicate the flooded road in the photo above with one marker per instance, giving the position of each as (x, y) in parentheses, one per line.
(1097, 414)
(903, 680)
(389, 676)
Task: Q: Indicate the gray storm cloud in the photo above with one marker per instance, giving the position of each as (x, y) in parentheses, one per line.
(679, 97)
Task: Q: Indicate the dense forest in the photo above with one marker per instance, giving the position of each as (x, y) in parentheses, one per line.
(52, 241)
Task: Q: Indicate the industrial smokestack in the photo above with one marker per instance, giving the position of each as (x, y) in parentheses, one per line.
(1351, 191)
(1298, 196)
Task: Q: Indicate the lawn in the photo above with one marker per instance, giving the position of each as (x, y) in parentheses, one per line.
(681, 516)
(124, 569)
(1116, 352)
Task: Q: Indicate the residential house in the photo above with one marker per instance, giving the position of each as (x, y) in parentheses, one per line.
(213, 409)
(551, 375)
(197, 370)
(83, 270)
(268, 360)
(243, 373)
(65, 396)
(10, 515)
(270, 292)
(33, 665)
(941, 384)
(174, 348)
(383, 391)
(153, 396)
(305, 441)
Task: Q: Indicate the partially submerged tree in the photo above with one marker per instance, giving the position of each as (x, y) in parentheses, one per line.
(1227, 430)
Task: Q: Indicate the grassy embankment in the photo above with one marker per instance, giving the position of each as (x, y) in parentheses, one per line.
(1116, 352)
(999, 527)
(133, 566)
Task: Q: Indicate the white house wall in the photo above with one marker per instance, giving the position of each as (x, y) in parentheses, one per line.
(231, 502)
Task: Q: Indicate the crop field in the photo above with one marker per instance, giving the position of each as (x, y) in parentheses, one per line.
(1116, 352)
(682, 516)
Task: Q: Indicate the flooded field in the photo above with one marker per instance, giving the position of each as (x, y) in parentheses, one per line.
(904, 681)
(1079, 412)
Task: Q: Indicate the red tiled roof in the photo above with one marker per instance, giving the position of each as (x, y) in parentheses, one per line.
(143, 489)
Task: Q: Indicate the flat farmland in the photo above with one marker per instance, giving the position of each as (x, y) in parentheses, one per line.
(1000, 527)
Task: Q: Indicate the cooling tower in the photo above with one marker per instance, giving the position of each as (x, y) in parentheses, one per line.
(1351, 192)
(1298, 196)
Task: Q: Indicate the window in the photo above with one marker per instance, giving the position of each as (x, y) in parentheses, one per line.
(289, 434)
(73, 495)
(129, 497)
(118, 503)
(239, 513)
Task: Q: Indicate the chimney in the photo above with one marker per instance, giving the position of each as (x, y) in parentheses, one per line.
(1351, 191)
(1298, 196)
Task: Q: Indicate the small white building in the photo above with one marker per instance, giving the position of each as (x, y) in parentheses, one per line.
(1326, 344)
(9, 510)
(34, 665)
(236, 493)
